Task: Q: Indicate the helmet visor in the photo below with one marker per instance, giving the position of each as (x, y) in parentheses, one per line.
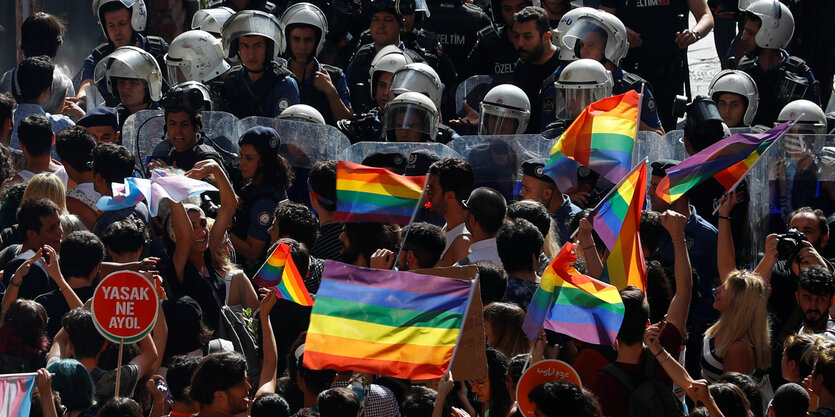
(408, 124)
(500, 120)
(587, 39)
(177, 73)
(571, 99)
(418, 82)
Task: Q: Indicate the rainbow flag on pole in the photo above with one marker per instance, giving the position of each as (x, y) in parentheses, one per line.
(368, 194)
(574, 304)
(617, 219)
(386, 322)
(727, 160)
(601, 137)
(280, 273)
(16, 394)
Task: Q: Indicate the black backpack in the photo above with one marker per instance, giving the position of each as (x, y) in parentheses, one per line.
(648, 397)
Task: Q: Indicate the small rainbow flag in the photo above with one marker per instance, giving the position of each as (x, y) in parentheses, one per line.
(727, 160)
(601, 137)
(617, 220)
(574, 304)
(385, 322)
(368, 194)
(279, 272)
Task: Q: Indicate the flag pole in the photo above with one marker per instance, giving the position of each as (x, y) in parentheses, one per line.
(412, 220)
(473, 284)
(20, 375)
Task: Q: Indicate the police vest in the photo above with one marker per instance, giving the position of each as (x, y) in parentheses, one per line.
(317, 99)
(253, 194)
(359, 83)
(241, 99)
(778, 88)
(154, 45)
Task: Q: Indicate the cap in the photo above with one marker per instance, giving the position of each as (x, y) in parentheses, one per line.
(260, 136)
(391, 160)
(419, 162)
(533, 168)
(660, 167)
(100, 116)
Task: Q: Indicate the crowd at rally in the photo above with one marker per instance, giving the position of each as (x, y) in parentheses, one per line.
(716, 331)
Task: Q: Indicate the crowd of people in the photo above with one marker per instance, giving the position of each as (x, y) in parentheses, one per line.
(718, 332)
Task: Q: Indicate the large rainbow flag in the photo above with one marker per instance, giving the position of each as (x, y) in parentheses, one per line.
(574, 304)
(368, 194)
(617, 219)
(727, 160)
(385, 322)
(280, 273)
(601, 137)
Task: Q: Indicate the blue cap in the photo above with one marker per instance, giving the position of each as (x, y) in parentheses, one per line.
(100, 116)
(261, 137)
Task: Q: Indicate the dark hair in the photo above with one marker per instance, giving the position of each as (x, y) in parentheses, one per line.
(823, 225)
(179, 376)
(535, 13)
(7, 168)
(651, 230)
(563, 398)
(506, 321)
(41, 34)
(748, 387)
(74, 383)
(316, 381)
(488, 207)
(273, 169)
(635, 316)
(270, 405)
(294, 26)
(7, 106)
(75, 146)
(195, 118)
(120, 407)
(10, 199)
(81, 253)
(496, 372)
(516, 366)
(454, 175)
(299, 253)
(532, 211)
(32, 76)
(338, 402)
(790, 400)
(124, 236)
(659, 291)
(112, 7)
(298, 222)
(30, 213)
(519, 243)
(22, 330)
(816, 280)
(35, 133)
(113, 162)
(365, 238)
(419, 403)
(825, 367)
(427, 241)
(802, 349)
(86, 340)
(322, 181)
(217, 372)
(492, 280)
(730, 399)
(699, 411)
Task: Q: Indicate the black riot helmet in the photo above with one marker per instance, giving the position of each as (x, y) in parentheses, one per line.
(398, 8)
(703, 124)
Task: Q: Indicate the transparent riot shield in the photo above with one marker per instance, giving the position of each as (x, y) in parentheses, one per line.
(472, 90)
(94, 98)
(359, 151)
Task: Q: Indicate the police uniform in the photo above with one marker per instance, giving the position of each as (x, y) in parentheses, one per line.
(530, 77)
(359, 80)
(493, 54)
(154, 45)
(309, 95)
(456, 25)
(775, 85)
(564, 214)
(186, 160)
(268, 96)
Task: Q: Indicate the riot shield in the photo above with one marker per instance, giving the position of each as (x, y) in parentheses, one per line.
(93, 98)
(472, 90)
(359, 151)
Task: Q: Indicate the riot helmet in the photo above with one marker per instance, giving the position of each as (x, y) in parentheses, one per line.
(703, 125)
(420, 78)
(581, 83)
(130, 62)
(305, 14)
(302, 113)
(398, 8)
(191, 97)
(252, 23)
(741, 84)
(812, 119)
(388, 60)
(410, 117)
(568, 20)
(777, 23)
(505, 110)
(195, 55)
(211, 20)
(138, 14)
(600, 30)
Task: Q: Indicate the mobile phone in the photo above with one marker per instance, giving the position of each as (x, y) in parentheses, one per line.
(44, 254)
(163, 387)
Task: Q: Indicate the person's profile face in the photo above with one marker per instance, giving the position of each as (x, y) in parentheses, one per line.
(237, 397)
(382, 87)
(749, 34)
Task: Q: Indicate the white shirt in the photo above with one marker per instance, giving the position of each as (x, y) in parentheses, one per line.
(483, 250)
(453, 233)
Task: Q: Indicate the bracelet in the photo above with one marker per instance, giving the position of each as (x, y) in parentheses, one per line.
(697, 34)
(660, 352)
(724, 217)
(664, 360)
(11, 281)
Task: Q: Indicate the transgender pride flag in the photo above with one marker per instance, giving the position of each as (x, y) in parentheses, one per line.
(16, 394)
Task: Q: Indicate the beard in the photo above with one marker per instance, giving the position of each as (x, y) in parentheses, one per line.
(531, 56)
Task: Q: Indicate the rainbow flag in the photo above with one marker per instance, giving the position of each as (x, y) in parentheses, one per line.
(385, 322)
(574, 304)
(368, 194)
(601, 137)
(727, 160)
(617, 220)
(16, 394)
(280, 273)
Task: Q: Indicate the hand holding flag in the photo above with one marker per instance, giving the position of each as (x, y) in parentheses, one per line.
(280, 273)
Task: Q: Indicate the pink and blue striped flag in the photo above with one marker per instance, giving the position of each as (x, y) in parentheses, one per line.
(16, 394)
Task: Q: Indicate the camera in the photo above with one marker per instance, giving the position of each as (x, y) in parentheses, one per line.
(789, 244)
(191, 97)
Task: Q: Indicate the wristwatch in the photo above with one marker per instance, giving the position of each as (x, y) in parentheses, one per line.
(698, 35)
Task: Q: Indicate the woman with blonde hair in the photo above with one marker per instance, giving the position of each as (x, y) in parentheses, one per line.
(739, 341)
(47, 185)
(503, 328)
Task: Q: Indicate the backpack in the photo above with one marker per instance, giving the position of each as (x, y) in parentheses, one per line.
(648, 397)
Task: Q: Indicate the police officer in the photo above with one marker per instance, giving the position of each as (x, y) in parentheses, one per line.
(302, 113)
(505, 110)
(539, 187)
(538, 59)
(737, 97)
(410, 117)
(456, 24)
(419, 77)
(260, 86)
(320, 85)
(121, 22)
(197, 55)
(780, 78)
(240, 5)
(133, 78)
(211, 20)
(494, 53)
(581, 83)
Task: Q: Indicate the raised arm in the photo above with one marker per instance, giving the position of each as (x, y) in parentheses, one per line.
(182, 237)
(679, 305)
(586, 241)
(54, 271)
(725, 252)
(268, 368)
(16, 281)
(671, 366)
(228, 199)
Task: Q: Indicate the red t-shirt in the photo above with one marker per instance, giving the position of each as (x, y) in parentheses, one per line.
(613, 396)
